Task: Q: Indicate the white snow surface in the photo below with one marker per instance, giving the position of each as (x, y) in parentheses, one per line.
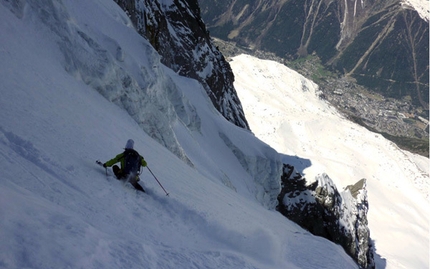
(421, 6)
(284, 110)
(58, 209)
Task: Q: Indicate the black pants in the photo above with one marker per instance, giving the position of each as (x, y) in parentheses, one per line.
(121, 176)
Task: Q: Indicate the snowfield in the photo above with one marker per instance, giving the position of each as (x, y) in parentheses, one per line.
(69, 72)
(284, 110)
(421, 6)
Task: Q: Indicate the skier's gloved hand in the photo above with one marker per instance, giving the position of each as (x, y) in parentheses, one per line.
(104, 165)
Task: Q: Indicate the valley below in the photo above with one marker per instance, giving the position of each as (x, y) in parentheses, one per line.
(398, 120)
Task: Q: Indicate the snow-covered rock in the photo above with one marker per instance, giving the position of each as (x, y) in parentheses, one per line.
(320, 208)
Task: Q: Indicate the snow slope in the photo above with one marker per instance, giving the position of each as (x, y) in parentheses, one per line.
(284, 110)
(421, 6)
(59, 210)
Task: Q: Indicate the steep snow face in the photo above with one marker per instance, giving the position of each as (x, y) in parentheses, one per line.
(284, 110)
(101, 58)
(125, 69)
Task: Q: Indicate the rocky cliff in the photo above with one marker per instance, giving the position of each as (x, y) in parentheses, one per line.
(340, 216)
(176, 30)
(382, 44)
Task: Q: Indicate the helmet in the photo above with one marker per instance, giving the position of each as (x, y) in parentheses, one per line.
(129, 144)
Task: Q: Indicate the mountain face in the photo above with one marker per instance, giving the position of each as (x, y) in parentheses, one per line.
(108, 65)
(383, 45)
(179, 35)
(324, 211)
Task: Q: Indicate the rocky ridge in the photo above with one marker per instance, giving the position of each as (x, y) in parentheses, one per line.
(177, 32)
(323, 210)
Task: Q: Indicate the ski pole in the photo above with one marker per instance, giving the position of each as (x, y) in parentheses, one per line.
(167, 194)
(101, 164)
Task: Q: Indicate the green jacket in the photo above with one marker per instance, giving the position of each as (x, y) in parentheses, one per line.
(120, 158)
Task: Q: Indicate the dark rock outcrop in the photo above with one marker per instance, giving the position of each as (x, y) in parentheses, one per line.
(179, 35)
(320, 208)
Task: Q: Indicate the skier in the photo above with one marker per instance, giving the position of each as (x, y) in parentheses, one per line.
(131, 161)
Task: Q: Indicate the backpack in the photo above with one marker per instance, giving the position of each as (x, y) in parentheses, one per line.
(132, 162)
